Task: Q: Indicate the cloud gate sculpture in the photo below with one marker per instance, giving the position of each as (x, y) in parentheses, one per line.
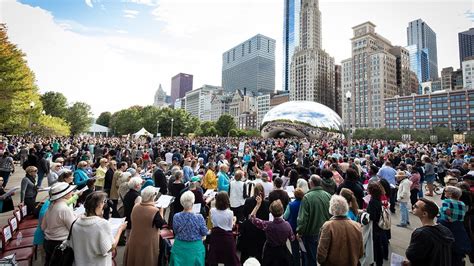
(302, 119)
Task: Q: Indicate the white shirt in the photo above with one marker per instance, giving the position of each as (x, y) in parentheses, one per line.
(57, 221)
(267, 188)
(169, 158)
(92, 240)
(236, 194)
(222, 219)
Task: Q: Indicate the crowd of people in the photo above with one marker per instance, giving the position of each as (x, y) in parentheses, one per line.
(249, 201)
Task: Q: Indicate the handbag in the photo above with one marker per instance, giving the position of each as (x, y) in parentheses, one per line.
(63, 255)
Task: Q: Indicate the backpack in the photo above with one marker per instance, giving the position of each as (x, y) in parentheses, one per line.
(384, 221)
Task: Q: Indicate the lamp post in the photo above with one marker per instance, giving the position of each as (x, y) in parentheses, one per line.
(32, 105)
(157, 127)
(348, 97)
(172, 120)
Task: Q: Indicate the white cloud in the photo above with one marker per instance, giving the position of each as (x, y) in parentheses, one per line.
(89, 3)
(128, 13)
(142, 2)
(110, 69)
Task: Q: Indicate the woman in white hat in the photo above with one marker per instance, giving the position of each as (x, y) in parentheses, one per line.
(58, 218)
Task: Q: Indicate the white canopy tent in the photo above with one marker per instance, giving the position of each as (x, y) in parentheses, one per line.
(142, 132)
(98, 129)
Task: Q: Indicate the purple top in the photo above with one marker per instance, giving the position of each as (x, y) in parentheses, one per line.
(277, 232)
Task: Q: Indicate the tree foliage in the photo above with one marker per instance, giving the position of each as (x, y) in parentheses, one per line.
(79, 117)
(207, 129)
(104, 119)
(17, 88)
(54, 104)
(443, 134)
(225, 124)
(50, 125)
(129, 121)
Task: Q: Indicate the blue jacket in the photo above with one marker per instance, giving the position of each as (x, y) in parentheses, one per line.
(80, 178)
(294, 207)
(223, 182)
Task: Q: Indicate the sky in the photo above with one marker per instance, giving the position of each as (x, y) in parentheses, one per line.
(114, 54)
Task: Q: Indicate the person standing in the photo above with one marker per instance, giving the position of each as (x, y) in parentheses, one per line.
(223, 179)
(28, 189)
(80, 175)
(291, 215)
(403, 197)
(388, 173)
(91, 235)
(6, 167)
(58, 219)
(431, 243)
(340, 242)
(160, 178)
(238, 195)
(429, 174)
(100, 174)
(143, 246)
(313, 213)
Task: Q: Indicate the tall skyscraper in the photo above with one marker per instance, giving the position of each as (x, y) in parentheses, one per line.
(291, 32)
(466, 44)
(160, 98)
(338, 90)
(198, 101)
(421, 35)
(370, 76)
(180, 84)
(312, 69)
(250, 65)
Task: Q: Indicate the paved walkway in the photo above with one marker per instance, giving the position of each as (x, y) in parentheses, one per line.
(398, 243)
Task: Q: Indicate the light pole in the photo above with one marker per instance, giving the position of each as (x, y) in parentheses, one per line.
(172, 120)
(32, 105)
(157, 127)
(348, 96)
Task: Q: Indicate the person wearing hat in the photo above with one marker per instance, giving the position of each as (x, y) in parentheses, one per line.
(58, 218)
(403, 197)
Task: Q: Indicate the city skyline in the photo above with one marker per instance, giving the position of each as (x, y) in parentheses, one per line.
(128, 59)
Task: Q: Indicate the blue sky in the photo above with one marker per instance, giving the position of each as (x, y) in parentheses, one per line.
(114, 54)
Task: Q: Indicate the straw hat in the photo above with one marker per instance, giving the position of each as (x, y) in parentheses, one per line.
(60, 190)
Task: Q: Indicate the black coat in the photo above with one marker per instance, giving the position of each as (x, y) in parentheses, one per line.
(430, 246)
(160, 181)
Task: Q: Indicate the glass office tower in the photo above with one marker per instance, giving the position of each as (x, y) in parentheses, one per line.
(291, 31)
(421, 35)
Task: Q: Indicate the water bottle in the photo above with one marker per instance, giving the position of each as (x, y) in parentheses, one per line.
(19, 238)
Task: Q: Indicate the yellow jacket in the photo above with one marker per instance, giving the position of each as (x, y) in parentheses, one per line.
(210, 180)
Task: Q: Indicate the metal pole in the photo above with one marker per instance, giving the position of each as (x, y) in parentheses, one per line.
(172, 127)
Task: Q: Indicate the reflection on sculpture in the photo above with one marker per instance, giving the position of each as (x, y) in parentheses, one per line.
(302, 119)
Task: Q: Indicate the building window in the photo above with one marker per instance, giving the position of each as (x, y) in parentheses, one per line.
(233, 55)
(243, 49)
(250, 47)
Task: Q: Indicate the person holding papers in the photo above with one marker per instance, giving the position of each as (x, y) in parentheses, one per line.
(189, 228)
(91, 235)
(143, 246)
(221, 244)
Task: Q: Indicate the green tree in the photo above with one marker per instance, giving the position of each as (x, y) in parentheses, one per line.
(79, 117)
(126, 121)
(49, 125)
(150, 116)
(17, 89)
(54, 104)
(104, 119)
(225, 124)
(208, 128)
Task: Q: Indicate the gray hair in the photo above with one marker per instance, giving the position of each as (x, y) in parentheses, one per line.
(251, 262)
(149, 193)
(135, 182)
(303, 184)
(264, 176)
(187, 200)
(455, 191)
(338, 206)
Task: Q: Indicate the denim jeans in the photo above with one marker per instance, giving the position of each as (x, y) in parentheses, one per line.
(403, 213)
(311, 246)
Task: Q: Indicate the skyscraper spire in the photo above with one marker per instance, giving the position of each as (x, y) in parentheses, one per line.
(310, 25)
(312, 69)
